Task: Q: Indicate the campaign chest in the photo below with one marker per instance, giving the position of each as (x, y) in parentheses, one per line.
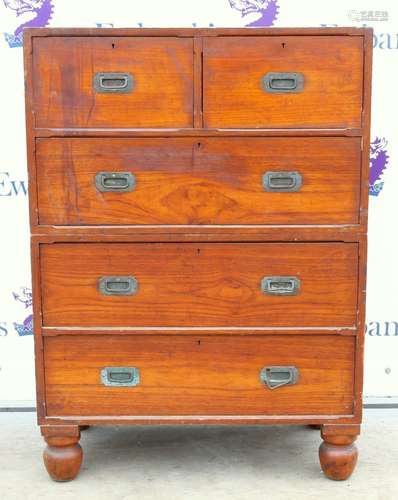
(198, 205)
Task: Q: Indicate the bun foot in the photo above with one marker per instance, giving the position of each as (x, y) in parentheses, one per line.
(338, 454)
(338, 462)
(63, 455)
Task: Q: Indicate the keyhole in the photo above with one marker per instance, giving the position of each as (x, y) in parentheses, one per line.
(199, 144)
(198, 251)
(198, 342)
(283, 45)
(113, 45)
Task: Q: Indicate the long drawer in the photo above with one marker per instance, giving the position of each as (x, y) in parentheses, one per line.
(276, 180)
(199, 284)
(283, 81)
(199, 375)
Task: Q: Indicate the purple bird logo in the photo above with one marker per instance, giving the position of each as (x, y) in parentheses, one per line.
(256, 13)
(379, 160)
(25, 297)
(26, 14)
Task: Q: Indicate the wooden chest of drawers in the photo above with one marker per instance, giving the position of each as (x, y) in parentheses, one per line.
(198, 204)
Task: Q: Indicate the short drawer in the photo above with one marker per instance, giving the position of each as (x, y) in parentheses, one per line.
(112, 82)
(283, 81)
(199, 375)
(275, 180)
(202, 284)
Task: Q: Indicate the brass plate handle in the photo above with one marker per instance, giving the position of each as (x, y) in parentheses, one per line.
(282, 182)
(280, 285)
(116, 83)
(278, 376)
(118, 285)
(120, 376)
(283, 83)
(115, 182)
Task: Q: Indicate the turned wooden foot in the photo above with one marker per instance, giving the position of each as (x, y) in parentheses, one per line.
(338, 454)
(63, 454)
(314, 426)
(84, 427)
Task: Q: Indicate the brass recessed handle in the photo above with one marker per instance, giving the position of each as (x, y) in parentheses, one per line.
(118, 285)
(115, 182)
(280, 285)
(278, 376)
(120, 376)
(121, 83)
(283, 83)
(282, 182)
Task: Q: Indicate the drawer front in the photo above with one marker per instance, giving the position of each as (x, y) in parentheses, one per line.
(209, 284)
(283, 81)
(113, 82)
(228, 181)
(194, 375)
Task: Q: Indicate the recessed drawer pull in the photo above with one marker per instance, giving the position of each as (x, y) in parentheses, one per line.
(121, 83)
(117, 285)
(282, 182)
(278, 376)
(280, 285)
(120, 376)
(280, 83)
(120, 182)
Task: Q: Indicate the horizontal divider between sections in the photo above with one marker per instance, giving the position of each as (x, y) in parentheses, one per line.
(200, 419)
(199, 228)
(205, 32)
(195, 132)
(129, 235)
(49, 331)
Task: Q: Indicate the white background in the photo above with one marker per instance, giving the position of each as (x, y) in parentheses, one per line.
(16, 351)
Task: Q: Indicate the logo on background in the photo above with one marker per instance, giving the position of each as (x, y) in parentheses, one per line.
(28, 14)
(361, 16)
(378, 163)
(257, 13)
(24, 296)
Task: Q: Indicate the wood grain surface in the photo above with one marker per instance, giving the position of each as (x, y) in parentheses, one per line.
(199, 375)
(199, 180)
(64, 68)
(333, 80)
(199, 86)
(201, 284)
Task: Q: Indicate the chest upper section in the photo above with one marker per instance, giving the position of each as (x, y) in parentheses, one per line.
(216, 82)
